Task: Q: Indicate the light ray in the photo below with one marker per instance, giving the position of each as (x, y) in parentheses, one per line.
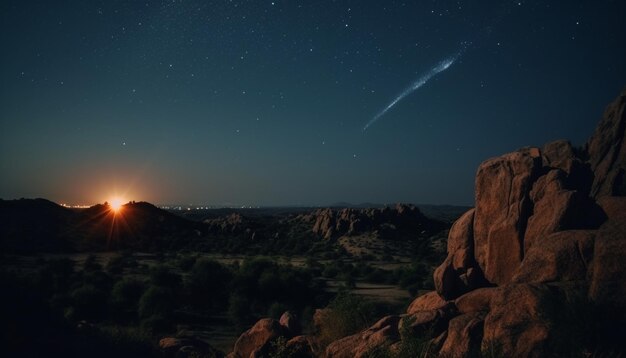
(422, 80)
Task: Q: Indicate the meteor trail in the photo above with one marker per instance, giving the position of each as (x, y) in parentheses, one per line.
(440, 67)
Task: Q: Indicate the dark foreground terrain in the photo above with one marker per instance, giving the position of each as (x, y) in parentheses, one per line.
(96, 282)
(535, 269)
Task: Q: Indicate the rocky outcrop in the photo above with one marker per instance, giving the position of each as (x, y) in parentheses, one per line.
(478, 300)
(518, 324)
(387, 222)
(545, 244)
(459, 272)
(549, 228)
(426, 302)
(606, 150)
(562, 256)
(608, 276)
(502, 208)
(464, 336)
(257, 341)
(382, 334)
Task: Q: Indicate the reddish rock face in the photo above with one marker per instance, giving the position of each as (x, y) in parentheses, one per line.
(383, 333)
(562, 256)
(464, 336)
(554, 207)
(607, 151)
(475, 301)
(291, 323)
(608, 275)
(459, 272)
(546, 229)
(302, 347)
(257, 338)
(502, 209)
(517, 324)
(426, 302)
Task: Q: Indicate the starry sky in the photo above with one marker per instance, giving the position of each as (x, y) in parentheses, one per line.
(264, 102)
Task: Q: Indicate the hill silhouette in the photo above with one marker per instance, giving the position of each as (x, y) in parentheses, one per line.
(40, 225)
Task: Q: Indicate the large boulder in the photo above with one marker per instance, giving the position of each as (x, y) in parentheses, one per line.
(426, 302)
(503, 206)
(561, 155)
(256, 340)
(518, 323)
(607, 151)
(608, 276)
(554, 208)
(465, 334)
(459, 272)
(475, 301)
(302, 347)
(431, 322)
(561, 256)
(382, 334)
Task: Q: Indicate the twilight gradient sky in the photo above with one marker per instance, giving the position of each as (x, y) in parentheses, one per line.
(264, 102)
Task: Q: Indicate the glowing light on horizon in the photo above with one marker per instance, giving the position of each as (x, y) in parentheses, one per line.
(116, 204)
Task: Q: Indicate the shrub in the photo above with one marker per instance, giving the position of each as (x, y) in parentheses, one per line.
(117, 264)
(239, 310)
(186, 262)
(209, 284)
(89, 302)
(347, 314)
(163, 276)
(92, 263)
(156, 324)
(411, 344)
(125, 296)
(156, 301)
(276, 310)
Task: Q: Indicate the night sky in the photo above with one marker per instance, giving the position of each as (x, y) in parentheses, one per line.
(264, 102)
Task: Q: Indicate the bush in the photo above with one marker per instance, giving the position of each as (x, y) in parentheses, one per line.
(276, 310)
(347, 314)
(89, 303)
(186, 262)
(125, 296)
(239, 310)
(92, 263)
(411, 344)
(209, 284)
(156, 301)
(156, 324)
(117, 264)
(163, 276)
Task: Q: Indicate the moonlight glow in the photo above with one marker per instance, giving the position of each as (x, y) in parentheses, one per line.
(116, 204)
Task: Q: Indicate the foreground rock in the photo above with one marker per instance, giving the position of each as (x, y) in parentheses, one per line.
(380, 335)
(548, 231)
(256, 341)
(187, 347)
(535, 270)
(260, 340)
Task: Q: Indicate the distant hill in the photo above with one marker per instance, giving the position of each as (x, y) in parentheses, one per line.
(41, 225)
(448, 213)
(28, 224)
